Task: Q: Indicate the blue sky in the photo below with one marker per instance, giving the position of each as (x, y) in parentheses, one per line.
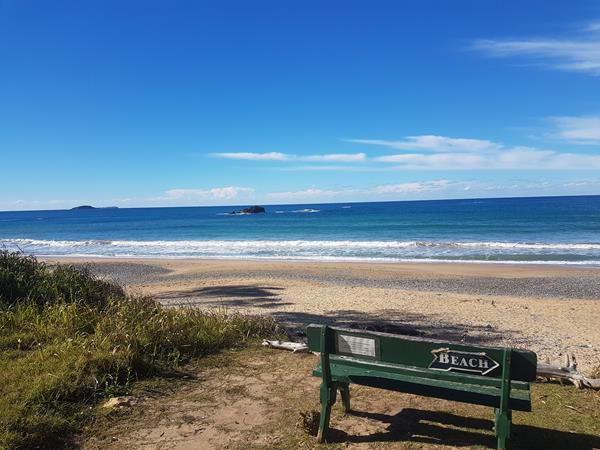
(205, 103)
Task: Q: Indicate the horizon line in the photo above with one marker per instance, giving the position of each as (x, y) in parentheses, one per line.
(317, 203)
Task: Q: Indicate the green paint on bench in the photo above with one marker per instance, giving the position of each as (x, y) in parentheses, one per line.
(482, 375)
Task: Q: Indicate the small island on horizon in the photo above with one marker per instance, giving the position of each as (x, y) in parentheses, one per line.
(85, 207)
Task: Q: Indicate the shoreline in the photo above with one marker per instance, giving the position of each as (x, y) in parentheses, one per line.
(573, 265)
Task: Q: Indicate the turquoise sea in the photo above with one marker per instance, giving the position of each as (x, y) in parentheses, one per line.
(551, 230)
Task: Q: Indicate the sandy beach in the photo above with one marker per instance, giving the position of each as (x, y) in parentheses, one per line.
(551, 310)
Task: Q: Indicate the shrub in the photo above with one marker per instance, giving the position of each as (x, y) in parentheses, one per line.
(24, 278)
(68, 338)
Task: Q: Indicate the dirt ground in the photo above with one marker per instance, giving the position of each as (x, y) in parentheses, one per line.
(252, 399)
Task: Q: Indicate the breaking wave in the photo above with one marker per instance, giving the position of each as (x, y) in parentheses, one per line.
(326, 250)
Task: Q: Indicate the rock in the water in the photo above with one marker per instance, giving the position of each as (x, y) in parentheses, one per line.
(253, 210)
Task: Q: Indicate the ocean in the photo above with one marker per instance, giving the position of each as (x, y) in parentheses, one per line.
(543, 230)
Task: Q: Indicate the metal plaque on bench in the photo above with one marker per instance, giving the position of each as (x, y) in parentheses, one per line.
(356, 346)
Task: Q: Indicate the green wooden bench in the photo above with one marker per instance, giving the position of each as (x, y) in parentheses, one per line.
(490, 376)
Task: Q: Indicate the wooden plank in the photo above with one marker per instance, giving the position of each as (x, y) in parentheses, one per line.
(339, 371)
(417, 352)
(462, 392)
(373, 366)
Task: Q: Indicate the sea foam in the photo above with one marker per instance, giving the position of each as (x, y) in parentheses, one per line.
(326, 250)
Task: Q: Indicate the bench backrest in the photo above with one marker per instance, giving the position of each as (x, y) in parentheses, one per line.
(443, 356)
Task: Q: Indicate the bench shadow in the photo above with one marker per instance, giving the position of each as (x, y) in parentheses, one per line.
(434, 427)
(267, 298)
(392, 321)
(238, 295)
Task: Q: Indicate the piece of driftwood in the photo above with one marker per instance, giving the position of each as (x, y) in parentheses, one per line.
(295, 347)
(568, 373)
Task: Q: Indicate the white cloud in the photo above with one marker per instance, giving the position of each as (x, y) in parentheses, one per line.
(437, 160)
(577, 130)
(434, 143)
(277, 156)
(384, 191)
(409, 190)
(439, 189)
(249, 156)
(309, 194)
(221, 193)
(326, 167)
(578, 54)
(593, 27)
(469, 154)
(23, 205)
(412, 188)
(335, 157)
(435, 152)
(520, 158)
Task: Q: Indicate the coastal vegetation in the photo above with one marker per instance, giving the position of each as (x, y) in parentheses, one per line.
(69, 339)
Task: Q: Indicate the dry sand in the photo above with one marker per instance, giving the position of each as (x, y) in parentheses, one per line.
(551, 310)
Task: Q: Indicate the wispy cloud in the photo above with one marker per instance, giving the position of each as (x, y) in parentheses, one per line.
(248, 156)
(518, 158)
(328, 168)
(437, 152)
(220, 193)
(593, 27)
(375, 192)
(447, 153)
(21, 204)
(575, 54)
(438, 189)
(433, 143)
(417, 187)
(277, 156)
(435, 161)
(408, 190)
(335, 157)
(311, 194)
(577, 130)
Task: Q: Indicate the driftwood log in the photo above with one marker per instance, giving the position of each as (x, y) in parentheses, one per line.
(568, 373)
(295, 347)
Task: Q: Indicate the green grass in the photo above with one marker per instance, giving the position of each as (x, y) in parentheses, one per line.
(69, 339)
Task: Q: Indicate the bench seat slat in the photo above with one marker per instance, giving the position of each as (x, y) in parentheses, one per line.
(426, 373)
(429, 387)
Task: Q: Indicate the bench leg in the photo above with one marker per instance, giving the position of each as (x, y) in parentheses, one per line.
(503, 426)
(345, 394)
(328, 394)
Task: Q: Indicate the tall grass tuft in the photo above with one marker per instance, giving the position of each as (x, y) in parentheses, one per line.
(68, 339)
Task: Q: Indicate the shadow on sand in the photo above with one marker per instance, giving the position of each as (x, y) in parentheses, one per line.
(432, 427)
(236, 296)
(390, 320)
